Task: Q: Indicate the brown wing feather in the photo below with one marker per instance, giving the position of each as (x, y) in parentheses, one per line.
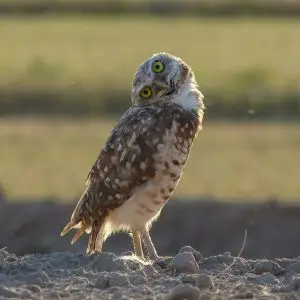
(125, 162)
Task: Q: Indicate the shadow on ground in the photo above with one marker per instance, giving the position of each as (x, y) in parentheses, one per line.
(210, 226)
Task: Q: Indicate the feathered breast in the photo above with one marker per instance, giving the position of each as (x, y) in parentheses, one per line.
(127, 160)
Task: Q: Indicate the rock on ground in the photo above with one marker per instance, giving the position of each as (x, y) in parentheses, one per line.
(108, 276)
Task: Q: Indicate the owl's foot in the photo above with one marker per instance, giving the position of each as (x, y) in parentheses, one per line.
(163, 261)
(149, 247)
(137, 244)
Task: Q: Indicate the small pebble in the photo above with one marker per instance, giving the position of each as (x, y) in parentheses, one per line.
(242, 292)
(294, 285)
(138, 278)
(184, 263)
(183, 291)
(129, 262)
(118, 279)
(163, 262)
(25, 294)
(197, 255)
(3, 278)
(119, 296)
(108, 262)
(241, 287)
(39, 278)
(114, 289)
(211, 296)
(7, 293)
(127, 253)
(102, 281)
(265, 278)
(57, 295)
(167, 283)
(204, 281)
(34, 288)
(268, 266)
(150, 271)
(218, 260)
(294, 268)
(188, 278)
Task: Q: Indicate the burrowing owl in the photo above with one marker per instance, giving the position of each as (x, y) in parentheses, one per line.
(141, 163)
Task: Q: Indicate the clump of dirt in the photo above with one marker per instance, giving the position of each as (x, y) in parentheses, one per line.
(187, 275)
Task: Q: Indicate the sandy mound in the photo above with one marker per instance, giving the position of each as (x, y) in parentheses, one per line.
(185, 276)
(56, 270)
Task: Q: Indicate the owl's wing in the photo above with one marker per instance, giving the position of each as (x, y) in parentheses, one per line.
(125, 163)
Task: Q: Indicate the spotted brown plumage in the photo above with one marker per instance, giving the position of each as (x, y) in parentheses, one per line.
(142, 161)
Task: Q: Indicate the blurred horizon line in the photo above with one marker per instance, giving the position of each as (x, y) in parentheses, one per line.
(227, 8)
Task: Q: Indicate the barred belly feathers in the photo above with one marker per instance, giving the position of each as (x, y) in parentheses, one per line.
(142, 161)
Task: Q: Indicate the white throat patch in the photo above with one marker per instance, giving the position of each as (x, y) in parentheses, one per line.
(189, 97)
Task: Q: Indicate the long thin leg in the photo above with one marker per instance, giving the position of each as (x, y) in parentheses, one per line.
(93, 237)
(149, 244)
(137, 244)
(100, 239)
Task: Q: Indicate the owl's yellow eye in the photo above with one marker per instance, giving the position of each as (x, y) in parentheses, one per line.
(158, 67)
(146, 92)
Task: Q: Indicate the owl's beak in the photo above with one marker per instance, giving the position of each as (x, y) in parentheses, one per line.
(161, 84)
(162, 87)
(165, 89)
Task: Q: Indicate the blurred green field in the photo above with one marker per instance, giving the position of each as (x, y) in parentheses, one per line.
(192, 7)
(104, 52)
(84, 58)
(86, 64)
(52, 157)
(219, 2)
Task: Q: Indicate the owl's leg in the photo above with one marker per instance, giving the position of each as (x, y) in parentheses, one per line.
(149, 244)
(95, 237)
(137, 244)
(100, 239)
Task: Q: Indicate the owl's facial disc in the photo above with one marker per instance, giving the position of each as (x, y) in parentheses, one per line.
(160, 78)
(165, 78)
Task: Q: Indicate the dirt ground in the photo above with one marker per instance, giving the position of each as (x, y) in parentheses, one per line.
(188, 275)
(269, 267)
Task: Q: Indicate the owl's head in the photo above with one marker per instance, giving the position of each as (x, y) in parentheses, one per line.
(166, 78)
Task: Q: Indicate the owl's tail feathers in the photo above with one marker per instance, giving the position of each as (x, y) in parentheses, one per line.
(80, 230)
(77, 221)
(67, 228)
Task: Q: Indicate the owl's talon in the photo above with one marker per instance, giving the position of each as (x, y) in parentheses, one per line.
(163, 261)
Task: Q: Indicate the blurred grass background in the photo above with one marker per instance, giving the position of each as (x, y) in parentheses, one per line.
(53, 63)
(52, 157)
(65, 77)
